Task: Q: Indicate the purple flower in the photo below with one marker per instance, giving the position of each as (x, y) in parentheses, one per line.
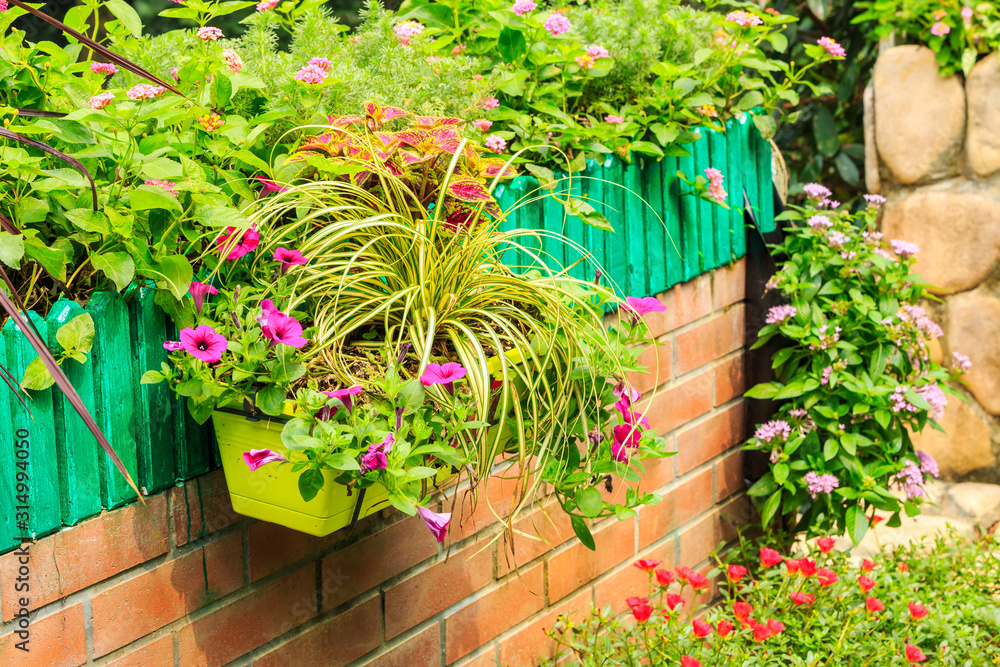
(204, 343)
(960, 361)
(819, 222)
(899, 402)
(377, 457)
(928, 465)
(198, 291)
(780, 314)
(523, 7)
(256, 458)
(267, 310)
(436, 523)
(837, 239)
(937, 398)
(443, 374)
(249, 240)
(826, 375)
(643, 306)
(816, 191)
(831, 47)
(817, 484)
(173, 346)
(828, 203)
(269, 185)
(874, 201)
(344, 395)
(288, 258)
(904, 249)
(285, 330)
(772, 430)
(626, 442)
(912, 480)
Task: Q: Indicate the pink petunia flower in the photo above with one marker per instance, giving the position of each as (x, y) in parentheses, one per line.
(644, 305)
(256, 458)
(626, 442)
(173, 345)
(269, 185)
(522, 7)
(436, 523)
(203, 343)
(107, 69)
(289, 258)
(233, 60)
(345, 395)
(101, 100)
(377, 457)
(248, 242)
(557, 24)
(831, 47)
(445, 374)
(612, 119)
(496, 143)
(267, 310)
(198, 292)
(482, 124)
(284, 329)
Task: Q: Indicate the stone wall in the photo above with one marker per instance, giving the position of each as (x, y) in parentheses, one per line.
(933, 150)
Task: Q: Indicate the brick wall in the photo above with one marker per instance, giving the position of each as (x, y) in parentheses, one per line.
(190, 583)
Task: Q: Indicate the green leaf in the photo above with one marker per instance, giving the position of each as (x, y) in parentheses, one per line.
(819, 8)
(780, 472)
(89, 220)
(118, 266)
(590, 502)
(553, 110)
(77, 334)
(222, 216)
(151, 377)
(546, 179)
(588, 214)
(770, 507)
(766, 125)
(511, 45)
(287, 372)
(779, 42)
(583, 532)
(176, 272)
(857, 523)
(825, 132)
(51, 259)
(311, 482)
(764, 390)
(412, 393)
(846, 168)
(128, 16)
(222, 91)
(341, 461)
(148, 197)
(763, 486)
(969, 57)
(37, 376)
(271, 400)
(11, 249)
(30, 209)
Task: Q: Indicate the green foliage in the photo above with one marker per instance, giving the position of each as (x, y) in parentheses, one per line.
(938, 598)
(855, 377)
(75, 339)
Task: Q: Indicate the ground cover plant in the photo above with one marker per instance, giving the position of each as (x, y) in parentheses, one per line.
(932, 603)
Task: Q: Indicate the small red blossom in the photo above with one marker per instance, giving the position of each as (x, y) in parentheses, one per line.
(808, 567)
(647, 565)
(735, 572)
(741, 610)
(865, 583)
(873, 605)
(867, 565)
(642, 612)
(674, 601)
(770, 557)
(801, 598)
(724, 628)
(688, 661)
(775, 627)
(917, 611)
(914, 654)
(826, 544)
(903, 567)
(826, 577)
(794, 565)
(634, 601)
(698, 581)
(760, 632)
(664, 577)
(700, 628)
(684, 573)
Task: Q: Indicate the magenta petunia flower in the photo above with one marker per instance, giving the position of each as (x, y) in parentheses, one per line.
(377, 457)
(626, 442)
(443, 374)
(649, 304)
(198, 292)
(248, 242)
(269, 185)
(285, 330)
(267, 309)
(344, 395)
(203, 343)
(436, 523)
(172, 345)
(256, 458)
(288, 258)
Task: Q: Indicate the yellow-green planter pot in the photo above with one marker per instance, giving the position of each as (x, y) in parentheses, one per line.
(271, 493)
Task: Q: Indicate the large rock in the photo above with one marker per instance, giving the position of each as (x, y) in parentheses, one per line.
(974, 330)
(919, 115)
(957, 231)
(982, 90)
(872, 180)
(964, 447)
(973, 502)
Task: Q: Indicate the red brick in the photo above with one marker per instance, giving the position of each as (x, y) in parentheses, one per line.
(711, 340)
(685, 303)
(488, 658)
(729, 285)
(680, 404)
(481, 620)
(709, 438)
(58, 640)
(137, 606)
(364, 565)
(699, 540)
(200, 507)
(92, 551)
(535, 534)
(529, 646)
(730, 379)
(659, 361)
(426, 593)
(679, 505)
(423, 648)
(159, 653)
(737, 513)
(473, 514)
(629, 580)
(659, 472)
(578, 565)
(249, 621)
(273, 547)
(335, 641)
(729, 476)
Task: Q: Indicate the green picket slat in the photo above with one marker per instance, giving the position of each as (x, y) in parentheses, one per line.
(655, 238)
(155, 424)
(113, 399)
(76, 447)
(582, 269)
(554, 222)
(706, 214)
(764, 187)
(689, 220)
(749, 149)
(734, 145)
(530, 216)
(635, 229)
(9, 535)
(616, 245)
(671, 214)
(592, 189)
(718, 151)
(43, 470)
(506, 200)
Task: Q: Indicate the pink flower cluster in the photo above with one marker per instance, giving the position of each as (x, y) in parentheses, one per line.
(707, 110)
(715, 189)
(940, 29)
(597, 51)
(743, 18)
(837, 238)
(233, 60)
(101, 100)
(817, 484)
(311, 74)
(936, 397)
(904, 249)
(209, 34)
(816, 191)
(249, 241)
(266, 5)
(522, 7)
(960, 361)
(612, 119)
(586, 61)
(928, 465)
(831, 47)
(482, 124)
(144, 91)
(874, 201)
(166, 185)
(779, 314)
(557, 24)
(912, 480)
(819, 222)
(107, 69)
(777, 429)
(489, 102)
(917, 316)
(496, 143)
(407, 30)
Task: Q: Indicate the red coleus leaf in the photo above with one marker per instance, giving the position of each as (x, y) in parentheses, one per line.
(429, 122)
(381, 115)
(345, 121)
(445, 139)
(490, 167)
(468, 189)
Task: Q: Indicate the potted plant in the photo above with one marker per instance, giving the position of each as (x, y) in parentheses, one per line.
(366, 306)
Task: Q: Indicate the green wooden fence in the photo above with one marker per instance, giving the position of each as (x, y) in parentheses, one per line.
(69, 478)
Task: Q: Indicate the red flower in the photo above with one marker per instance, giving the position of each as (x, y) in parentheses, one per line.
(917, 611)
(826, 544)
(741, 610)
(688, 661)
(698, 581)
(775, 627)
(867, 565)
(674, 601)
(700, 628)
(724, 628)
(770, 557)
(635, 602)
(684, 573)
(800, 598)
(735, 572)
(914, 654)
(873, 605)
(808, 567)
(760, 632)
(876, 519)
(664, 577)
(903, 567)
(642, 612)
(793, 565)
(865, 583)
(826, 577)
(647, 565)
